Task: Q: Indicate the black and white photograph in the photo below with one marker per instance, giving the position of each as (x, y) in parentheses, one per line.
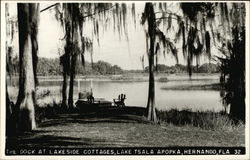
(123, 79)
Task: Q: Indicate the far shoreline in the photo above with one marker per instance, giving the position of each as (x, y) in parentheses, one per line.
(138, 77)
(211, 79)
(213, 86)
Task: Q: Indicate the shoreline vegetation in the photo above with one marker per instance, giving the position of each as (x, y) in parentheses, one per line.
(214, 86)
(132, 77)
(211, 80)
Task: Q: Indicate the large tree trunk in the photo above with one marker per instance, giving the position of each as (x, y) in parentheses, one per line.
(10, 127)
(237, 109)
(238, 85)
(151, 113)
(64, 90)
(74, 52)
(64, 60)
(8, 107)
(26, 95)
(72, 78)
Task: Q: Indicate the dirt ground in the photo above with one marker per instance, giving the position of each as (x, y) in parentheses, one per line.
(120, 128)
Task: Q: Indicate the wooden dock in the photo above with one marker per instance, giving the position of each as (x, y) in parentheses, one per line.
(86, 105)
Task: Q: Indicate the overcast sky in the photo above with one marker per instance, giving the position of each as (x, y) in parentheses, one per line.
(121, 52)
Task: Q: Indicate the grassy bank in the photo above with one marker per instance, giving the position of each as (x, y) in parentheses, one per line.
(214, 86)
(206, 120)
(123, 127)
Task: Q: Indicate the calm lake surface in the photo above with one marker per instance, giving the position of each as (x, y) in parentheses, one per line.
(136, 93)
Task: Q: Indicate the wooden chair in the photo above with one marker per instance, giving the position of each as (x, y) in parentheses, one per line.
(120, 101)
(90, 99)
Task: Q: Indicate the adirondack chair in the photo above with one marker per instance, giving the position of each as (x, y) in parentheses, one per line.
(120, 101)
(91, 99)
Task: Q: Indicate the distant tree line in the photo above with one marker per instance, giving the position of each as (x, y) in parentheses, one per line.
(179, 68)
(48, 66)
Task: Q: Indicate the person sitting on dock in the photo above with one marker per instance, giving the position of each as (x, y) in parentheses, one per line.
(120, 101)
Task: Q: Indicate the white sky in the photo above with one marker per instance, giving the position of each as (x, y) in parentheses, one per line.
(111, 49)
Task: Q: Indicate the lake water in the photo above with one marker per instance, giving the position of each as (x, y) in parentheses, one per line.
(137, 92)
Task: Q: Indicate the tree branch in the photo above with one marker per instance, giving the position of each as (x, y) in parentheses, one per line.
(48, 7)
